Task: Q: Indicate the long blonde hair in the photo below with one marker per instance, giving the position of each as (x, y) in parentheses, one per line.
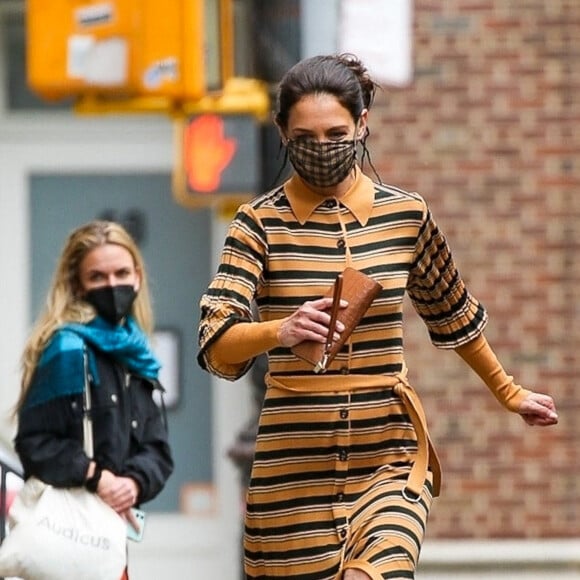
(63, 303)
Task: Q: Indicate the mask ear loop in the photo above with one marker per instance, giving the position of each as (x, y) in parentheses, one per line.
(281, 147)
(366, 153)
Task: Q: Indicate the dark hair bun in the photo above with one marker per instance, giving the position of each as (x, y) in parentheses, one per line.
(367, 84)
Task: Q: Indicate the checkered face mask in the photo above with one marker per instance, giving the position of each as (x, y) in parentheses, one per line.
(322, 164)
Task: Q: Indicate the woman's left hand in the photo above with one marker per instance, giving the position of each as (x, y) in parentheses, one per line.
(120, 493)
(538, 409)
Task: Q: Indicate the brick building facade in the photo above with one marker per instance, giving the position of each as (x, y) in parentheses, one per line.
(488, 134)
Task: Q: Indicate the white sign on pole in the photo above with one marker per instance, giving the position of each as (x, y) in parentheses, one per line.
(380, 33)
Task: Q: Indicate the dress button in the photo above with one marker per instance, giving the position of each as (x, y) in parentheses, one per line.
(329, 203)
(344, 370)
(134, 423)
(340, 497)
(340, 243)
(114, 398)
(343, 413)
(343, 455)
(343, 534)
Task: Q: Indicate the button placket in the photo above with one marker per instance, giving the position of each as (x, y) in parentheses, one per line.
(340, 509)
(343, 244)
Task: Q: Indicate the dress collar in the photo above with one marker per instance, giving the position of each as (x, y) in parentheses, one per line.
(358, 199)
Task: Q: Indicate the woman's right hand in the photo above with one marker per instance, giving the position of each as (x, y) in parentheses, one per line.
(309, 322)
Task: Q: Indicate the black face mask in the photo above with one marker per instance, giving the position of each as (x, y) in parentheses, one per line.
(112, 303)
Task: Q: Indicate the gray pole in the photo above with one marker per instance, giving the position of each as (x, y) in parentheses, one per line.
(319, 22)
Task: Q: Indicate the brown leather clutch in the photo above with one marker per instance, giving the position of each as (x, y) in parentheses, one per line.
(359, 290)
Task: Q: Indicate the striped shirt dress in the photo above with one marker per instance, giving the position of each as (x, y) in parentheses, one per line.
(344, 472)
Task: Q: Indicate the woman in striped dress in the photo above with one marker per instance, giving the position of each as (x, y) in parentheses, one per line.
(344, 471)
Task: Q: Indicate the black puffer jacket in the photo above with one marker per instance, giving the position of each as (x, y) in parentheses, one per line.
(130, 434)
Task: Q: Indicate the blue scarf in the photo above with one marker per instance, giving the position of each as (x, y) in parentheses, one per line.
(60, 370)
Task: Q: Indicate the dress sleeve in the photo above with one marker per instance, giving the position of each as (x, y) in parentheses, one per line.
(229, 297)
(452, 315)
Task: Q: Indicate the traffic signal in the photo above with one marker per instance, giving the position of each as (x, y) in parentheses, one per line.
(176, 49)
(207, 152)
(218, 157)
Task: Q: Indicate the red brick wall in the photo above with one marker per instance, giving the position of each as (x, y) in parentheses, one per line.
(489, 132)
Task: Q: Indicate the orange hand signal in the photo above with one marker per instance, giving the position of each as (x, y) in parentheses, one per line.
(207, 152)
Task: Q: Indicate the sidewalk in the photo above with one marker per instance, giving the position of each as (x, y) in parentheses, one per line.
(500, 560)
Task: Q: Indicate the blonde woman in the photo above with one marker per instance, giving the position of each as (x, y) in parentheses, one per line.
(98, 301)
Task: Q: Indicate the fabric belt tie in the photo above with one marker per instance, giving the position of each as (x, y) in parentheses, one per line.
(426, 454)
